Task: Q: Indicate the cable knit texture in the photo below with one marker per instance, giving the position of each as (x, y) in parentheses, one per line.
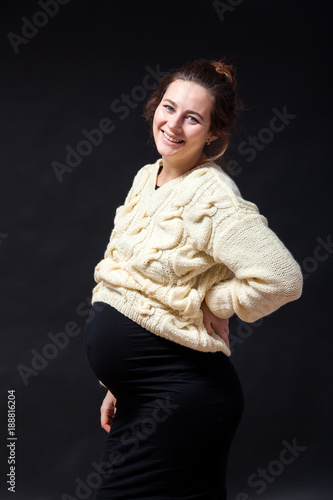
(194, 238)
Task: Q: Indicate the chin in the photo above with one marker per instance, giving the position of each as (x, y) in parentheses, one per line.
(165, 150)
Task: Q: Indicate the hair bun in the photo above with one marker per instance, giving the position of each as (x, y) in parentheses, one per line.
(226, 69)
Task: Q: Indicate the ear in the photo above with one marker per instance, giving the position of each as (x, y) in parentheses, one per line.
(211, 138)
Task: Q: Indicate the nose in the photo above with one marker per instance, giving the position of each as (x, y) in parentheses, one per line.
(175, 123)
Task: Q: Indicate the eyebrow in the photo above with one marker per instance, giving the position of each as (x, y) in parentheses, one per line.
(188, 111)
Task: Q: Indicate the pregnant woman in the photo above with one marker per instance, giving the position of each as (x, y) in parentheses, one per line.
(186, 253)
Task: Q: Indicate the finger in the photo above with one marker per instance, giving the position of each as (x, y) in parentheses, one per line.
(106, 422)
(208, 326)
(224, 336)
(106, 427)
(222, 326)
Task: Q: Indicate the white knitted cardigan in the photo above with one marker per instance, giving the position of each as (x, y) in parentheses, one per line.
(194, 238)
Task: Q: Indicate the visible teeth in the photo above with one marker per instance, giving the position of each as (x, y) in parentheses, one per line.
(172, 139)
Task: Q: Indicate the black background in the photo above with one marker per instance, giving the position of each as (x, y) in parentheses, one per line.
(52, 233)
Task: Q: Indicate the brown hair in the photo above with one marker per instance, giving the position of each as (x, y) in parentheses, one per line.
(219, 79)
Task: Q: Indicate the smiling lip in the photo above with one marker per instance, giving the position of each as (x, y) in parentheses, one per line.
(172, 139)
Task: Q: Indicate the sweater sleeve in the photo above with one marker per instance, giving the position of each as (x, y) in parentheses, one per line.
(265, 276)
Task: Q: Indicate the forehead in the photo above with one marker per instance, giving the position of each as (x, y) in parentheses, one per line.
(189, 96)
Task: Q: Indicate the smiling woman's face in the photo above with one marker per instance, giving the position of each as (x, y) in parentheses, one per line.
(181, 125)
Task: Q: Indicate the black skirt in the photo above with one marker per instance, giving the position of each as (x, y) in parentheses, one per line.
(177, 412)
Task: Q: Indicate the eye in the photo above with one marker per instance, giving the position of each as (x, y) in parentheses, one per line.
(168, 107)
(192, 119)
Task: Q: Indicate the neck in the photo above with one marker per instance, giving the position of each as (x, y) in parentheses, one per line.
(173, 168)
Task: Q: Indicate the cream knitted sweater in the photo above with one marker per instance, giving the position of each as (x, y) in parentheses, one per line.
(192, 239)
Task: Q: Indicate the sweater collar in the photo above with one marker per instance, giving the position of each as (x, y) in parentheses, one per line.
(170, 184)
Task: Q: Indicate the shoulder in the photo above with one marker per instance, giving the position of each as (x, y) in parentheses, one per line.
(142, 176)
(216, 208)
(209, 177)
(223, 181)
(144, 172)
(211, 186)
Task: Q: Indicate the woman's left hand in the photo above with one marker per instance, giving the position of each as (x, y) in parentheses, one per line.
(214, 324)
(108, 411)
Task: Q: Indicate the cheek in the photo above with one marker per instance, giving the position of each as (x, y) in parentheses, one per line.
(158, 114)
(155, 130)
(197, 137)
(157, 119)
(155, 124)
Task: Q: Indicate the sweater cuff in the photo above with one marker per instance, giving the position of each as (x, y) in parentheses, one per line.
(219, 299)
